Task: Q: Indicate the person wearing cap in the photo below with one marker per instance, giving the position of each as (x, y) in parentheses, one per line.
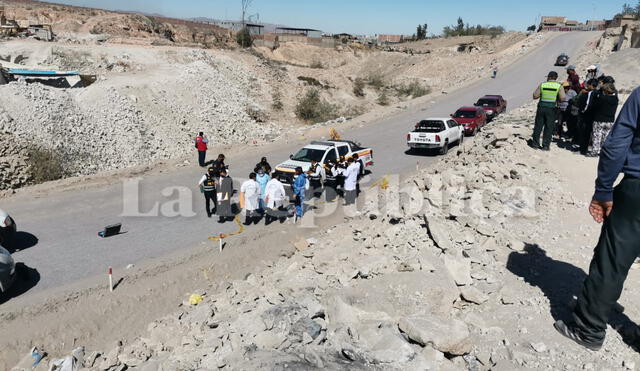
(573, 78)
(565, 112)
(549, 93)
(592, 72)
(617, 249)
(208, 187)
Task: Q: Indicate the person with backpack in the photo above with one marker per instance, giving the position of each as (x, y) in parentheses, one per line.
(208, 187)
(201, 146)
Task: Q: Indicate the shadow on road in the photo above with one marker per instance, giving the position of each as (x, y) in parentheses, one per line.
(559, 282)
(26, 279)
(21, 241)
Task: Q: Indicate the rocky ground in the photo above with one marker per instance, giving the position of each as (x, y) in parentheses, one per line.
(466, 269)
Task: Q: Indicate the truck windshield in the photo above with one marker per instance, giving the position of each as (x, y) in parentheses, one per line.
(429, 126)
(308, 154)
(465, 114)
(487, 102)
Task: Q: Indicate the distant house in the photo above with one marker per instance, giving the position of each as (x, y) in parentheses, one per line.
(390, 39)
(553, 22)
(569, 23)
(622, 20)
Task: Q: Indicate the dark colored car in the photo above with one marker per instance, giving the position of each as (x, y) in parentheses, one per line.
(493, 105)
(562, 60)
(472, 118)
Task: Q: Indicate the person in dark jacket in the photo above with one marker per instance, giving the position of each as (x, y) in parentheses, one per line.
(225, 192)
(618, 246)
(264, 165)
(604, 110)
(585, 117)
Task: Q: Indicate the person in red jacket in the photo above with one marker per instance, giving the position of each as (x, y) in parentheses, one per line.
(201, 146)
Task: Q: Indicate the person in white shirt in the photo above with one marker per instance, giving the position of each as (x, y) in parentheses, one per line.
(250, 197)
(274, 200)
(351, 182)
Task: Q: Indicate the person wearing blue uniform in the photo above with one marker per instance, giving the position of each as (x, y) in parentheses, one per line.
(299, 187)
(262, 178)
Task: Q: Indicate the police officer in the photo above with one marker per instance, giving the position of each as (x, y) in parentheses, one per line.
(208, 186)
(549, 93)
(315, 178)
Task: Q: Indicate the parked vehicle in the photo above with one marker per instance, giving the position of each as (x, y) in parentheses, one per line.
(472, 118)
(435, 133)
(321, 151)
(562, 60)
(7, 270)
(493, 105)
(7, 227)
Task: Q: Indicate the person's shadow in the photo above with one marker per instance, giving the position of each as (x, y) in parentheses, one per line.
(21, 241)
(26, 279)
(559, 282)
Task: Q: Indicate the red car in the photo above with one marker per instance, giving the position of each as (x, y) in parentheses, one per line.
(493, 105)
(472, 118)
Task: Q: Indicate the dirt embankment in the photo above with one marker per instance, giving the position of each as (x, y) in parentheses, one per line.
(81, 25)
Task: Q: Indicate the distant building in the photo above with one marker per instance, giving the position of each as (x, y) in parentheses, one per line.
(235, 26)
(390, 39)
(292, 31)
(622, 20)
(546, 22)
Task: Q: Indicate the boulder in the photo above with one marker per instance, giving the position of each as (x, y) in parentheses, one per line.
(447, 335)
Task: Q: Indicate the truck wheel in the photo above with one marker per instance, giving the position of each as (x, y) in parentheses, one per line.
(444, 149)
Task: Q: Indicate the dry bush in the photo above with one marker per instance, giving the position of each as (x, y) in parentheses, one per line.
(45, 164)
(414, 90)
(358, 87)
(276, 100)
(312, 108)
(383, 99)
(376, 81)
(317, 65)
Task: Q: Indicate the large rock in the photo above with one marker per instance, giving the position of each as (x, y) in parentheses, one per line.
(393, 296)
(447, 335)
(460, 269)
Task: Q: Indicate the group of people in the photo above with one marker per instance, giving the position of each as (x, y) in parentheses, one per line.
(264, 195)
(587, 109)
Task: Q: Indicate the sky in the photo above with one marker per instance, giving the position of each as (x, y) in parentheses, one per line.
(373, 16)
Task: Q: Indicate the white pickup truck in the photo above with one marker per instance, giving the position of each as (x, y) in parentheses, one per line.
(435, 133)
(322, 152)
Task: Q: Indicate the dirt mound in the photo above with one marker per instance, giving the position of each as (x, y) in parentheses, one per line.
(624, 67)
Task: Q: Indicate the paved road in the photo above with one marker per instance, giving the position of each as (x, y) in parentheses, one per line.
(65, 224)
